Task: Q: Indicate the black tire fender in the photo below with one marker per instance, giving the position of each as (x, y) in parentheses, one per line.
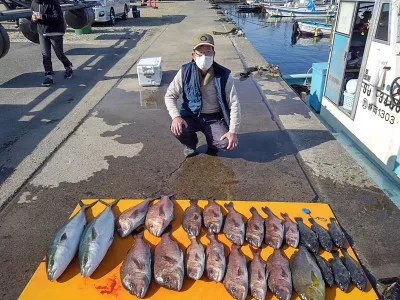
(29, 30)
(4, 42)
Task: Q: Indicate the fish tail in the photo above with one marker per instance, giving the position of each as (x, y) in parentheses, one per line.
(335, 254)
(298, 220)
(152, 198)
(266, 210)
(333, 220)
(138, 233)
(86, 206)
(210, 235)
(193, 201)
(344, 251)
(312, 221)
(285, 215)
(170, 195)
(229, 205)
(168, 229)
(255, 251)
(210, 200)
(253, 211)
(109, 204)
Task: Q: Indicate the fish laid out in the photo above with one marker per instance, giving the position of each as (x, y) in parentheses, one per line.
(160, 215)
(215, 259)
(255, 229)
(136, 268)
(336, 233)
(274, 229)
(195, 259)
(306, 276)
(340, 273)
(96, 239)
(257, 276)
(169, 269)
(292, 235)
(64, 243)
(323, 235)
(357, 274)
(132, 218)
(234, 226)
(212, 216)
(392, 292)
(307, 237)
(191, 220)
(325, 270)
(236, 279)
(279, 275)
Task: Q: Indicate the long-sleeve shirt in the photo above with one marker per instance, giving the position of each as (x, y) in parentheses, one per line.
(209, 100)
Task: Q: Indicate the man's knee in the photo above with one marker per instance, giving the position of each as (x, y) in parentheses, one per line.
(221, 144)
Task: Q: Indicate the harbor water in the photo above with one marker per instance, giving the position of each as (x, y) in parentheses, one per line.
(272, 37)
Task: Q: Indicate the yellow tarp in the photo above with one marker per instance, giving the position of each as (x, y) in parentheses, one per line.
(105, 282)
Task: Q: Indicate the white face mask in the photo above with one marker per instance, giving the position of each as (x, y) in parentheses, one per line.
(204, 62)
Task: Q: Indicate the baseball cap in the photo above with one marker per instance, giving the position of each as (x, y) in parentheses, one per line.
(203, 39)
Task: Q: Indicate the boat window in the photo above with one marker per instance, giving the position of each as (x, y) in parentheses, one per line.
(345, 18)
(382, 30)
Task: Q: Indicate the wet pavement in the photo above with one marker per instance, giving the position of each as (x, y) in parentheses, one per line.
(124, 149)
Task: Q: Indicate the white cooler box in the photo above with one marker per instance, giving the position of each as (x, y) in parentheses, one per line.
(149, 71)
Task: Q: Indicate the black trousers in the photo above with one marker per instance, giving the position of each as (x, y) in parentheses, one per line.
(45, 45)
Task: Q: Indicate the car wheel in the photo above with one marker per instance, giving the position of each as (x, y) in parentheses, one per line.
(112, 17)
(125, 14)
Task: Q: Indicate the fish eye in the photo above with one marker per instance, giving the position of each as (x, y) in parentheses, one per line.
(233, 289)
(151, 225)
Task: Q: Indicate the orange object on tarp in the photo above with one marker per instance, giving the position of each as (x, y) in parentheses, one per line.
(105, 282)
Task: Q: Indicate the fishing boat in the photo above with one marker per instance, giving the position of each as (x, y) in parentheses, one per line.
(314, 28)
(301, 8)
(248, 8)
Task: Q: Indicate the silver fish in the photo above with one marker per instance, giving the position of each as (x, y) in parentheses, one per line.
(191, 220)
(336, 233)
(306, 276)
(136, 268)
(160, 215)
(356, 272)
(234, 228)
(236, 279)
(133, 217)
(64, 243)
(169, 270)
(195, 259)
(323, 236)
(279, 275)
(257, 276)
(215, 259)
(212, 216)
(255, 229)
(341, 274)
(292, 235)
(96, 239)
(274, 229)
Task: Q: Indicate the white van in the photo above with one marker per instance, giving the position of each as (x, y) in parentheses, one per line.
(110, 10)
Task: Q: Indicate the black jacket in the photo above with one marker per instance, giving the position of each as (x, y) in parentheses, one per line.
(52, 16)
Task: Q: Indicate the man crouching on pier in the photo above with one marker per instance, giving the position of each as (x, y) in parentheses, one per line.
(210, 103)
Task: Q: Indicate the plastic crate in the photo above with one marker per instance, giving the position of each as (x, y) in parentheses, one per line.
(348, 100)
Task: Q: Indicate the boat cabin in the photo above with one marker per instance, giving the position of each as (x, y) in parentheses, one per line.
(362, 87)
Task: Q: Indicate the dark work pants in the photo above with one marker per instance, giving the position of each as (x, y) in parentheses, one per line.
(213, 126)
(45, 45)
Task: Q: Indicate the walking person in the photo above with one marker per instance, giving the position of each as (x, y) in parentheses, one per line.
(210, 102)
(51, 28)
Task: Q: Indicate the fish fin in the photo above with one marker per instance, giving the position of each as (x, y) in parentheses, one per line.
(228, 206)
(218, 257)
(240, 271)
(197, 257)
(298, 220)
(169, 259)
(86, 206)
(138, 264)
(196, 216)
(94, 233)
(260, 275)
(314, 279)
(256, 227)
(63, 237)
(216, 215)
(236, 223)
(161, 210)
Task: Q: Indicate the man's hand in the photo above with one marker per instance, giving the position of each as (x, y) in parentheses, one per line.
(176, 126)
(233, 140)
(36, 16)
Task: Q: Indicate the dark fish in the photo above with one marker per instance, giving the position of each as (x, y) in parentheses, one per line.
(306, 276)
(274, 229)
(392, 292)
(292, 235)
(136, 267)
(132, 218)
(169, 270)
(307, 237)
(336, 233)
(341, 274)
(212, 216)
(257, 276)
(356, 272)
(191, 220)
(255, 229)
(279, 275)
(195, 259)
(236, 279)
(325, 270)
(160, 215)
(323, 236)
(234, 225)
(215, 259)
